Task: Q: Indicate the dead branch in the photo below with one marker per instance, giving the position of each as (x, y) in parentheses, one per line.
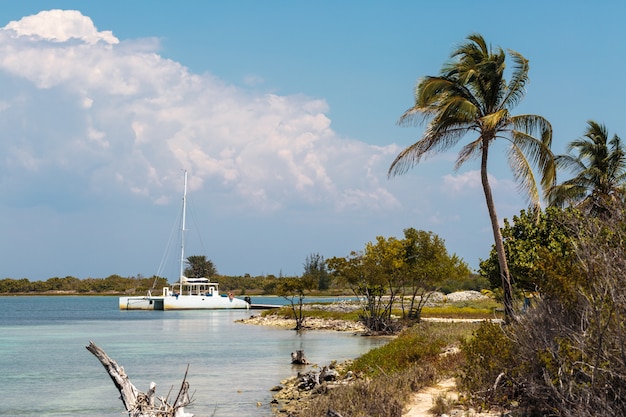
(139, 404)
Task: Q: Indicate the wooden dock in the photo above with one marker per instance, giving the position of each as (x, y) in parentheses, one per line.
(263, 306)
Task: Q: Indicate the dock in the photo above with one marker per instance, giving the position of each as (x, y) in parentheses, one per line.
(264, 306)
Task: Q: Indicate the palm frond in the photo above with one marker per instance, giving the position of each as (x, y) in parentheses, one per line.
(469, 151)
(566, 194)
(570, 163)
(533, 125)
(523, 175)
(431, 142)
(493, 121)
(429, 94)
(516, 88)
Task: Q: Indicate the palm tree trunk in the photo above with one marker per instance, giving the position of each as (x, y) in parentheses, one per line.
(497, 236)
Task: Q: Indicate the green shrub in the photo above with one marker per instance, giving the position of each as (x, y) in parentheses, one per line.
(420, 343)
(488, 354)
(471, 283)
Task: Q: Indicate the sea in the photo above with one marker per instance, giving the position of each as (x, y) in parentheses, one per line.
(45, 369)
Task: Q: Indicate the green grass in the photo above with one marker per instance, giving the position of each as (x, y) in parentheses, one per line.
(423, 341)
(477, 309)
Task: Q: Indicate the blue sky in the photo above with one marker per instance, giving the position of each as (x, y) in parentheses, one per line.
(284, 113)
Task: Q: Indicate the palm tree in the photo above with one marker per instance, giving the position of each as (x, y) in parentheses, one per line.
(599, 170)
(472, 97)
(199, 266)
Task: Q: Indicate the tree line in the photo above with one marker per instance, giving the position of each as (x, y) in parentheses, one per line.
(111, 284)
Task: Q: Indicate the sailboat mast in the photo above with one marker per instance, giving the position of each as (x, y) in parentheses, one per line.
(182, 235)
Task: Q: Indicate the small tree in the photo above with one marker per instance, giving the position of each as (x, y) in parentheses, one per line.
(315, 267)
(295, 290)
(391, 269)
(536, 244)
(427, 264)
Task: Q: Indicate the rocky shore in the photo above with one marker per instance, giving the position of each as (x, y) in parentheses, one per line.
(310, 323)
(293, 393)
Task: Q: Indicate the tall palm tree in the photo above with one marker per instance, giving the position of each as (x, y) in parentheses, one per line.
(471, 97)
(599, 172)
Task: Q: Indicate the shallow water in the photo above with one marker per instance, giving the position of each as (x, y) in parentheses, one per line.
(46, 370)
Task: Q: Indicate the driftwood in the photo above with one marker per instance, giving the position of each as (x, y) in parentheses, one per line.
(313, 379)
(298, 358)
(139, 404)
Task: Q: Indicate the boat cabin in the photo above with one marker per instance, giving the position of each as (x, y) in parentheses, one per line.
(192, 286)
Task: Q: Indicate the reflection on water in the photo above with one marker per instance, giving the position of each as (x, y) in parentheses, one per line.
(232, 366)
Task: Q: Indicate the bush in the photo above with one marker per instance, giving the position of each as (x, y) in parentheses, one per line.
(488, 354)
(565, 356)
(471, 283)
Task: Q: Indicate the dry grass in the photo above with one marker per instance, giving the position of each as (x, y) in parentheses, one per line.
(388, 375)
(442, 405)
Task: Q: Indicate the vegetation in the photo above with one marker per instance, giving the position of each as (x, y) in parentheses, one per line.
(295, 290)
(198, 266)
(599, 172)
(488, 309)
(565, 356)
(393, 270)
(315, 269)
(112, 284)
(389, 374)
(534, 243)
(472, 282)
(116, 284)
(471, 96)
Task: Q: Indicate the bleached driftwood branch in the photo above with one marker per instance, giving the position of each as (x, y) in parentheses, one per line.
(139, 404)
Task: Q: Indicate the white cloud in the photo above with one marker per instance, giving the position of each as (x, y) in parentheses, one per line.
(465, 182)
(469, 182)
(126, 116)
(60, 26)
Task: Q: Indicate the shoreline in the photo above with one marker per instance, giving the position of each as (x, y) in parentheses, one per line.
(310, 323)
(293, 393)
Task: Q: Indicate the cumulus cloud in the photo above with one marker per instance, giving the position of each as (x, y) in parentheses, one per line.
(123, 116)
(60, 26)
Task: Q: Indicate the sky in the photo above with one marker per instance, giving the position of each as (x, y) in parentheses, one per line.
(283, 113)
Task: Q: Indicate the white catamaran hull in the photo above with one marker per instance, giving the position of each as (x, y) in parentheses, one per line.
(186, 302)
(141, 303)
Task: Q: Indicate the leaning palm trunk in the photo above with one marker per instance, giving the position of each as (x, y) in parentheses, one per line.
(497, 236)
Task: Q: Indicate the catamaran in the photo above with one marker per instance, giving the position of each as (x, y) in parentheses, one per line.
(186, 293)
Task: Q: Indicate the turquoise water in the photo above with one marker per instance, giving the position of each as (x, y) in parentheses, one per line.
(46, 370)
